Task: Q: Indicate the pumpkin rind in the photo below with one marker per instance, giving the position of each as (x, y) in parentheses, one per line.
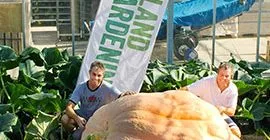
(170, 115)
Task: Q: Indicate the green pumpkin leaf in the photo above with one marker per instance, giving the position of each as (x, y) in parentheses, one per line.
(247, 104)
(69, 75)
(41, 126)
(16, 91)
(177, 75)
(7, 121)
(3, 136)
(4, 108)
(243, 87)
(33, 54)
(53, 57)
(8, 58)
(258, 111)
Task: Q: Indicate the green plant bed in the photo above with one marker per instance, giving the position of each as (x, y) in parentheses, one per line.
(46, 78)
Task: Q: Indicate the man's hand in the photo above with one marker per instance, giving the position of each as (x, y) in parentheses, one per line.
(127, 93)
(80, 121)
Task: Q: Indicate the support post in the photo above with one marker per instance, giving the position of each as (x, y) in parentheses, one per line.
(268, 51)
(170, 32)
(214, 31)
(259, 31)
(23, 24)
(73, 25)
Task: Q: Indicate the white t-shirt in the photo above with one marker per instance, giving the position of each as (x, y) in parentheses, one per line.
(207, 89)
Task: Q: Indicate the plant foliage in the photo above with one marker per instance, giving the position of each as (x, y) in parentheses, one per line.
(38, 94)
(31, 102)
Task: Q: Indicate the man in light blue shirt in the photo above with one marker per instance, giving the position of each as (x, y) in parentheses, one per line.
(91, 95)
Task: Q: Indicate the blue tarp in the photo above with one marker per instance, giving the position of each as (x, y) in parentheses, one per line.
(198, 14)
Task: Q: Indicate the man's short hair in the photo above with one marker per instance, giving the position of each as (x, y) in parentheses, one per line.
(98, 65)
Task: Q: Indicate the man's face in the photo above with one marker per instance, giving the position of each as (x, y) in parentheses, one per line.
(224, 77)
(96, 76)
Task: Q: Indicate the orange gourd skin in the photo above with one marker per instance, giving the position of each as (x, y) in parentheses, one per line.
(170, 115)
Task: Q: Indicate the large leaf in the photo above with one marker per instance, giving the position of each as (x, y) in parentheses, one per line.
(205, 72)
(3, 136)
(33, 54)
(8, 58)
(245, 77)
(46, 102)
(69, 75)
(30, 80)
(246, 66)
(266, 73)
(29, 67)
(243, 87)
(247, 104)
(16, 91)
(41, 126)
(163, 86)
(195, 67)
(148, 80)
(7, 121)
(254, 110)
(259, 67)
(264, 84)
(53, 57)
(245, 112)
(188, 79)
(156, 64)
(158, 74)
(39, 76)
(65, 55)
(4, 108)
(177, 75)
(258, 111)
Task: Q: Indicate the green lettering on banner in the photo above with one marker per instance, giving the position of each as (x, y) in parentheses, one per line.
(142, 30)
(110, 67)
(138, 43)
(145, 15)
(108, 55)
(127, 2)
(159, 2)
(123, 14)
(108, 75)
(113, 39)
(117, 28)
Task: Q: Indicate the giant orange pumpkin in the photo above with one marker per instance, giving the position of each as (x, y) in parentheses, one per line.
(170, 115)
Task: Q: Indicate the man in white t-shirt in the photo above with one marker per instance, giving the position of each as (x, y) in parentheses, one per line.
(220, 91)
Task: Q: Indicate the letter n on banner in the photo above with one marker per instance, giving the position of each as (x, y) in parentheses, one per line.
(122, 39)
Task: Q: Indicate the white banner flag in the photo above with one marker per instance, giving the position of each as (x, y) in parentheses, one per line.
(122, 39)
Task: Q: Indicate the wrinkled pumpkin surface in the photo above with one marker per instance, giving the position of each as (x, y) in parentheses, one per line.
(170, 115)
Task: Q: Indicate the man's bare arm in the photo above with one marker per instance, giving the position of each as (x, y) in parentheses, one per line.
(226, 110)
(72, 114)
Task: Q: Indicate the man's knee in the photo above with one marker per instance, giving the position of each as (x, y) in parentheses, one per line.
(64, 119)
(68, 123)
